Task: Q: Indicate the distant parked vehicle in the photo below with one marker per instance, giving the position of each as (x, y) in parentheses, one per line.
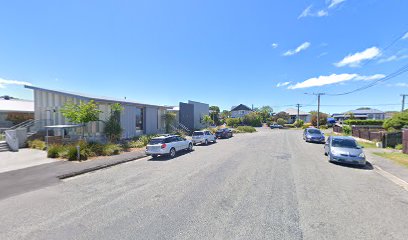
(203, 137)
(313, 135)
(168, 145)
(223, 133)
(344, 150)
(274, 125)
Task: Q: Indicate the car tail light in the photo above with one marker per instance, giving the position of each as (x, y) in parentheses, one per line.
(163, 145)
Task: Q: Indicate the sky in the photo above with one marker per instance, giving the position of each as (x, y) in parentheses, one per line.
(219, 52)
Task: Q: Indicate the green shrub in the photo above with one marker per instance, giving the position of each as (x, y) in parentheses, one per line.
(253, 119)
(136, 144)
(55, 151)
(288, 125)
(323, 127)
(399, 146)
(72, 153)
(110, 149)
(364, 122)
(299, 123)
(246, 129)
(37, 144)
(347, 129)
(281, 121)
(233, 122)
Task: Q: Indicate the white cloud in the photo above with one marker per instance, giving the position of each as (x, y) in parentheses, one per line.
(354, 60)
(4, 82)
(309, 13)
(398, 85)
(334, 3)
(332, 79)
(282, 84)
(306, 12)
(274, 45)
(302, 47)
(322, 13)
(405, 36)
(392, 58)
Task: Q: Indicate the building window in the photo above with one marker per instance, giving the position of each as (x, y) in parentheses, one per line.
(139, 118)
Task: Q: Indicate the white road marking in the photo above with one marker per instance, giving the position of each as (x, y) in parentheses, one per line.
(391, 177)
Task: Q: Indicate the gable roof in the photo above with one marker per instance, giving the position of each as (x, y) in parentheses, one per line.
(241, 107)
(292, 111)
(366, 111)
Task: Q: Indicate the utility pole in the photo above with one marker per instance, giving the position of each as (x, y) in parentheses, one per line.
(318, 106)
(403, 101)
(298, 106)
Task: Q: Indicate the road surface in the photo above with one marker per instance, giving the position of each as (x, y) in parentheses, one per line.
(265, 185)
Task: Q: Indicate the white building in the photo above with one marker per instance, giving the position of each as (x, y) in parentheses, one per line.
(240, 111)
(293, 113)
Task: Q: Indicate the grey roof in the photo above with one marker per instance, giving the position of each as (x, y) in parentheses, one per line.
(96, 98)
(16, 105)
(292, 112)
(366, 111)
(241, 107)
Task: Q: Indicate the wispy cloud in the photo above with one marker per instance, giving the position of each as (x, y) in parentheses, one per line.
(354, 60)
(5, 82)
(334, 3)
(274, 45)
(398, 85)
(392, 58)
(306, 13)
(322, 54)
(282, 84)
(302, 47)
(332, 79)
(405, 36)
(322, 13)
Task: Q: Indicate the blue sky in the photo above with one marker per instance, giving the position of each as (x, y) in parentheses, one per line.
(220, 52)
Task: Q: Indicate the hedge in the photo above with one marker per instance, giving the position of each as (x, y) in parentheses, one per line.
(364, 122)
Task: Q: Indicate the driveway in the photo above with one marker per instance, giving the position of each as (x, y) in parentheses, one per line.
(24, 158)
(265, 185)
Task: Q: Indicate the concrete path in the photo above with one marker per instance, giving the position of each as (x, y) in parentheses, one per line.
(24, 158)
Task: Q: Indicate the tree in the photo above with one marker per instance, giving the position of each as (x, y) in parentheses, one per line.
(113, 129)
(398, 121)
(282, 115)
(214, 114)
(81, 113)
(253, 119)
(281, 121)
(169, 118)
(225, 114)
(322, 120)
(207, 120)
(299, 123)
(265, 113)
(350, 115)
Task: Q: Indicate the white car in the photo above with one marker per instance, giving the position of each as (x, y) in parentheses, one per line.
(203, 137)
(168, 145)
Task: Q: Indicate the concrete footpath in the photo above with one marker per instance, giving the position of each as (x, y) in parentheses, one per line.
(35, 177)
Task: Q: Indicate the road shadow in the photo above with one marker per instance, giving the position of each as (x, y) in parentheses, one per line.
(168, 158)
(203, 145)
(368, 166)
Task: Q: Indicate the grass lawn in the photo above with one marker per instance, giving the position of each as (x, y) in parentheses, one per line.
(397, 157)
(367, 144)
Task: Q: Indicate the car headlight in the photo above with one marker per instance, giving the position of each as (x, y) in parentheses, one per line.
(334, 152)
(362, 155)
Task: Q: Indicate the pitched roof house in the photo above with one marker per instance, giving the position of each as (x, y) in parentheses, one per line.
(362, 114)
(305, 116)
(240, 111)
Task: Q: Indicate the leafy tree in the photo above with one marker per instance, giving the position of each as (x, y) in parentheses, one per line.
(253, 119)
(282, 115)
(350, 115)
(233, 122)
(81, 113)
(225, 114)
(169, 119)
(265, 112)
(299, 123)
(113, 129)
(214, 114)
(207, 120)
(281, 121)
(322, 120)
(398, 121)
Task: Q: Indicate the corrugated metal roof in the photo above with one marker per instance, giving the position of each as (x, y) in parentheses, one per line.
(96, 98)
(16, 105)
(292, 111)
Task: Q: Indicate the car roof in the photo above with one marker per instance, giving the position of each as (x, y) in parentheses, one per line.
(343, 137)
(165, 136)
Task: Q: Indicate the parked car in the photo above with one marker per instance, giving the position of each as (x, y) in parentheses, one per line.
(223, 133)
(313, 135)
(203, 137)
(168, 145)
(274, 125)
(344, 150)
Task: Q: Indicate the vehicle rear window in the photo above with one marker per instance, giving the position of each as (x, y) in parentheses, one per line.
(198, 133)
(344, 143)
(156, 141)
(314, 131)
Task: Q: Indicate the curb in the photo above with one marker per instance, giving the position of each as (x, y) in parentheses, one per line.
(93, 169)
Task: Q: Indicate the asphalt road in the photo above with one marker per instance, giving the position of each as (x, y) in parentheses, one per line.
(265, 185)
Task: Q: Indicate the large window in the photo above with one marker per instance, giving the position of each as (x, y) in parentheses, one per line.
(139, 118)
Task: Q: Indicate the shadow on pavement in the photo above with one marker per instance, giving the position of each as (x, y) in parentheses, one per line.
(368, 166)
(168, 158)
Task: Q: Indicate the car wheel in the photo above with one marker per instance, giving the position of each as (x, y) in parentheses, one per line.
(190, 147)
(325, 153)
(329, 158)
(154, 156)
(215, 140)
(206, 142)
(172, 153)
(195, 144)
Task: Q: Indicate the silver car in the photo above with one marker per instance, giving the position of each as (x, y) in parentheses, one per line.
(344, 150)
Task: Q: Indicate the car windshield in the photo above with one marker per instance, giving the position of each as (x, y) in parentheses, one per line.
(221, 130)
(198, 133)
(344, 143)
(314, 131)
(156, 141)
